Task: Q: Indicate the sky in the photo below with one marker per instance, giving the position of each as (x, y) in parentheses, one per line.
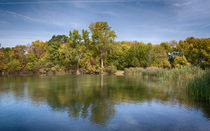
(155, 21)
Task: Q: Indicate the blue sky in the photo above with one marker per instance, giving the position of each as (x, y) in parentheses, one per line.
(23, 21)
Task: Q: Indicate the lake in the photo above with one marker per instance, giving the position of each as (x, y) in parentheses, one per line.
(94, 102)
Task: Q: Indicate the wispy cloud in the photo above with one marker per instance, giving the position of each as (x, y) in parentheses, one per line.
(183, 4)
(195, 10)
(55, 22)
(23, 16)
(64, 2)
(147, 20)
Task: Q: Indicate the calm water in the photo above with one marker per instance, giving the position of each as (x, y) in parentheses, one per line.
(92, 102)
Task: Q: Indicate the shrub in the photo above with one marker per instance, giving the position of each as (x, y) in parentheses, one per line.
(111, 69)
(180, 61)
(133, 70)
(31, 66)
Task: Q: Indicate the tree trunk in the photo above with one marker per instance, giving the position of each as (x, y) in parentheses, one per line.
(102, 62)
(77, 68)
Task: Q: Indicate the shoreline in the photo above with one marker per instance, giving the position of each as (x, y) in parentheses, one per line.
(117, 73)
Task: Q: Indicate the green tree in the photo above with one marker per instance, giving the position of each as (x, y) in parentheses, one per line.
(66, 56)
(36, 52)
(79, 44)
(17, 58)
(2, 56)
(195, 50)
(138, 55)
(102, 35)
(115, 55)
(53, 45)
(38, 48)
(199, 53)
(160, 58)
(180, 61)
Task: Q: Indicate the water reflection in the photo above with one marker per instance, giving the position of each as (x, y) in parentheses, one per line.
(95, 97)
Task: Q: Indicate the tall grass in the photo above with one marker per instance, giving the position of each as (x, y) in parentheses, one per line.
(171, 74)
(182, 73)
(195, 79)
(200, 85)
(133, 70)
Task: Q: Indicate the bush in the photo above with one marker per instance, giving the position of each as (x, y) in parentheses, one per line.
(15, 65)
(57, 68)
(180, 61)
(111, 69)
(31, 66)
(133, 70)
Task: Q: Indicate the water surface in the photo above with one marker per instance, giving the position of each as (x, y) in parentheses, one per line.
(94, 102)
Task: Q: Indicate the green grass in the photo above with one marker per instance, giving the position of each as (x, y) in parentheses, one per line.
(171, 74)
(195, 79)
(200, 85)
(182, 73)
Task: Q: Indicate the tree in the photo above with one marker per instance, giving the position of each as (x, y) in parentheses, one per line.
(36, 52)
(102, 35)
(199, 53)
(180, 61)
(66, 55)
(53, 45)
(79, 44)
(18, 58)
(138, 55)
(159, 58)
(38, 48)
(2, 56)
(195, 50)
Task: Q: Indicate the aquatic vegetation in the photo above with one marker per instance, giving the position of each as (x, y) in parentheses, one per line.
(175, 73)
(200, 85)
(195, 79)
(182, 73)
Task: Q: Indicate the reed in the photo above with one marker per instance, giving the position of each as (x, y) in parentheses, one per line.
(200, 85)
(195, 79)
(171, 74)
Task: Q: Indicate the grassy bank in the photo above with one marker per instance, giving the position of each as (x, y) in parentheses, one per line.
(166, 74)
(200, 85)
(195, 79)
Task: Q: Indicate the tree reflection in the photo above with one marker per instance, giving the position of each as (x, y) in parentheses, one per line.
(94, 97)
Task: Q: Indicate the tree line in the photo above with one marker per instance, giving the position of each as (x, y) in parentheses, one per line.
(96, 50)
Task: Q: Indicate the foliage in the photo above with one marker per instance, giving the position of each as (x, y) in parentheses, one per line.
(180, 61)
(138, 55)
(31, 67)
(53, 46)
(15, 66)
(80, 52)
(65, 55)
(111, 69)
(160, 58)
(117, 54)
(90, 62)
(102, 35)
(1, 59)
(78, 44)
